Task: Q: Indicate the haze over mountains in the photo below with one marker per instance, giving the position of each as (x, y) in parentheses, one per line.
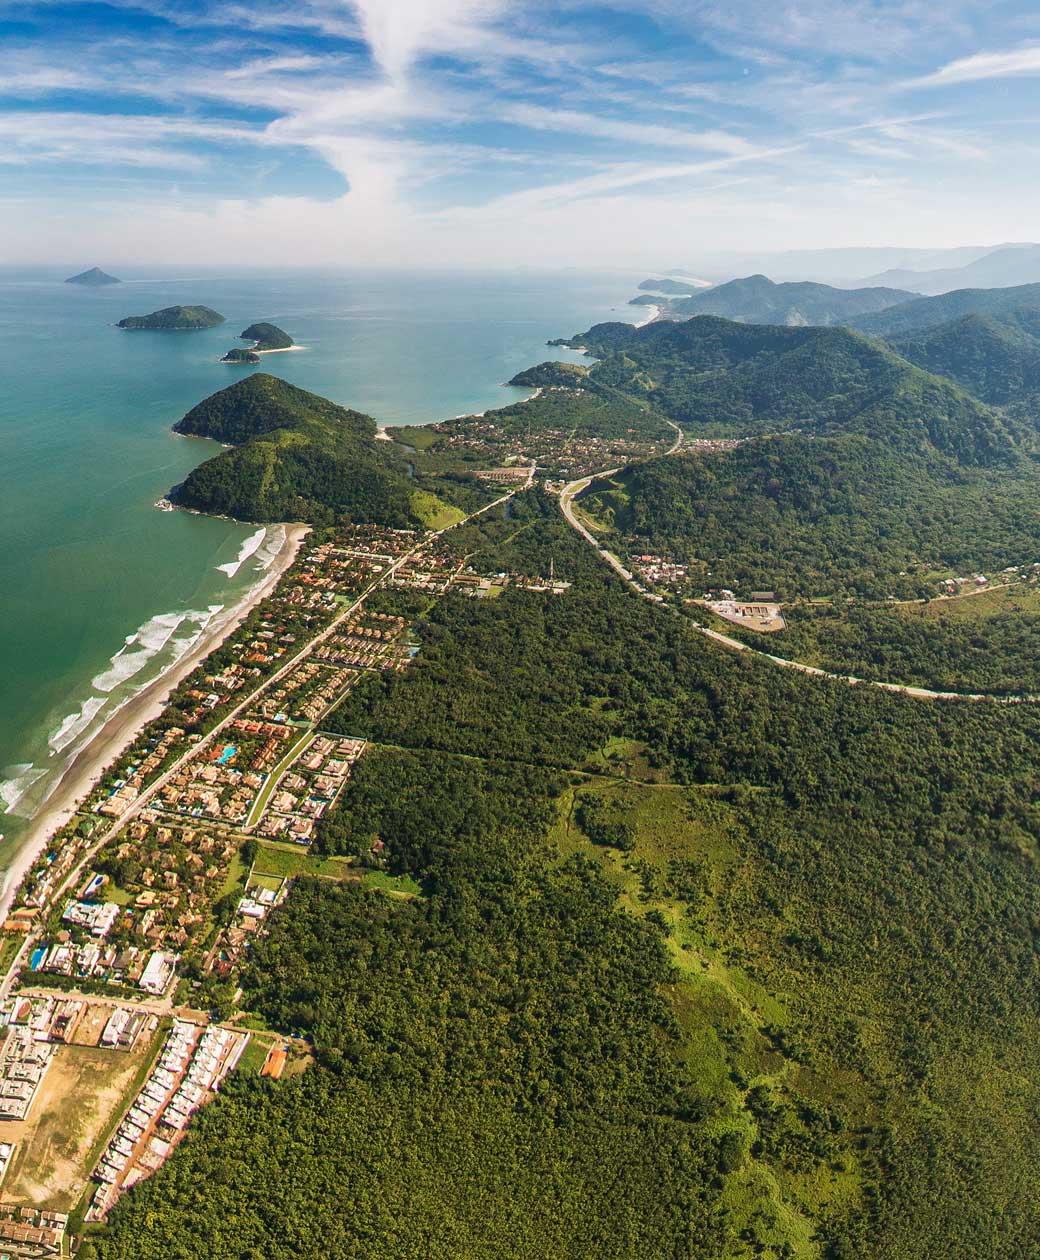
(1008, 265)
(927, 271)
(758, 300)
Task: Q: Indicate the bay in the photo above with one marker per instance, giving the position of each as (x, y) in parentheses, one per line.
(99, 591)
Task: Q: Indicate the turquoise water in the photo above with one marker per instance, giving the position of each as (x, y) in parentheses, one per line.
(100, 590)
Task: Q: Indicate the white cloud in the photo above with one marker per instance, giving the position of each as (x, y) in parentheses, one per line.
(111, 139)
(979, 66)
(399, 32)
(573, 122)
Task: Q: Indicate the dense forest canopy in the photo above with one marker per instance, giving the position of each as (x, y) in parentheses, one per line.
(994, 357)
(295, 456)
(927, 312)
(798, 1017)
(717, 377)
(823, 517)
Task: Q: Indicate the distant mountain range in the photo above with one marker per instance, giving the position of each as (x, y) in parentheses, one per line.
(1007, 265)
(847, 267)
(674, 286)
(759, 300)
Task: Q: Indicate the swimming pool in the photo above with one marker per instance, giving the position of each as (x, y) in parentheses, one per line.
(229, 751)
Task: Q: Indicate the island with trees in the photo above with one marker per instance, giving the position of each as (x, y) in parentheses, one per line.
(174, 319)
(266, 339)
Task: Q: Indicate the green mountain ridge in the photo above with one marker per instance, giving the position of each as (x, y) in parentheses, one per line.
(927, 312)
(758, 300)
(720, 378)
(995, 357)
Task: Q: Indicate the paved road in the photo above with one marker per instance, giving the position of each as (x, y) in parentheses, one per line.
(574, 488)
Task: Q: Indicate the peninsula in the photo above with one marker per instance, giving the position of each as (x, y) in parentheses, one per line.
(94, 278)
(174, 319)
(297, 456)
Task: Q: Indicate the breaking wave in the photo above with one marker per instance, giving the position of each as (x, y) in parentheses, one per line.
(13, 789)
(146, 643)
(251, 545)
(76, 723)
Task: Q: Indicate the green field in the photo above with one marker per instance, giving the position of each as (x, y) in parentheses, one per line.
(287, 861)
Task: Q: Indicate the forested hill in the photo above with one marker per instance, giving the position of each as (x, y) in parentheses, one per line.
(295, 456)
(260, 404)
(830, 517)
(927, 312)
(717, 377)
(996, 357)
(758, 300)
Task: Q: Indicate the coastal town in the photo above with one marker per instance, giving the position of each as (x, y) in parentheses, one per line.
(123, 941)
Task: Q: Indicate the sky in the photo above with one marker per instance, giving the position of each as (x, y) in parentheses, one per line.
(484, 133)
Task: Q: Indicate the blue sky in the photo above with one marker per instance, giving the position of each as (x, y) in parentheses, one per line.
(483, 132)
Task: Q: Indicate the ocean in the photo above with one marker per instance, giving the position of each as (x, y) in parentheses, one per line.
(101, 591)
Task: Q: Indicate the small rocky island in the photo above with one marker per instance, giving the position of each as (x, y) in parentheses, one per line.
(265, 338)
(93, 278)
(174, 318)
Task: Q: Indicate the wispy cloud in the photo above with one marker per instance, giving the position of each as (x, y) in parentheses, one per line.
(517, 127)
(575, 123)
(983, 65)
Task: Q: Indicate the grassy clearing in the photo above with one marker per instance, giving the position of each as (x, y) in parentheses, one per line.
(1018, 597)
(421, 437)
(286, 861)
(686, 869)
(395, 885)
(253, 1056)
(433, 512)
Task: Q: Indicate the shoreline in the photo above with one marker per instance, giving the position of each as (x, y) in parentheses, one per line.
(654, 313)
(119, 731)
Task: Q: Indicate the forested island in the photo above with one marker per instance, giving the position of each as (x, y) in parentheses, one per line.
(267, 337)
(174, 319)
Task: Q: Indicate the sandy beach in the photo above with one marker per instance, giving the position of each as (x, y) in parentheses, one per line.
(652, 313)
(121, 729)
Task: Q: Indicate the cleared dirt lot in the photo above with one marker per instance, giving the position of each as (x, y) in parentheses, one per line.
(81, 1095)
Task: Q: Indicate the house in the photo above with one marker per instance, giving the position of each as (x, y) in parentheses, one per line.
(158, 973)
